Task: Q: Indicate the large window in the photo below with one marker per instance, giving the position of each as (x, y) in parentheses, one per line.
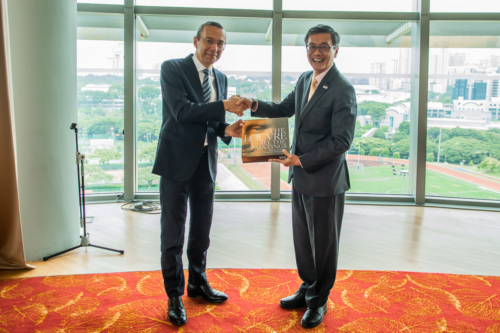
(353, 5)
(256, 4)
(100, 100)
(246, 62)
(486, 6)
(378, 159)
(463, 127)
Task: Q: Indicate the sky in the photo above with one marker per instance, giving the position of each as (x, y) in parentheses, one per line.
(340, 5)
(97, 54)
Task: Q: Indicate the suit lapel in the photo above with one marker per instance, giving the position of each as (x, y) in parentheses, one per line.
(193, 77)
(305, 94)
(218, 86)
(320, 91)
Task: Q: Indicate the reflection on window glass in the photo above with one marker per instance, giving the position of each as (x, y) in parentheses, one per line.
(100, 113)
(463, 127)
(485, 6)
(256, 4)
(378, 160)
(248, 68)
(353, 5)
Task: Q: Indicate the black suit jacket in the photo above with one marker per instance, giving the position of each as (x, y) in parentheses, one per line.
(324, 130)
(186, 120)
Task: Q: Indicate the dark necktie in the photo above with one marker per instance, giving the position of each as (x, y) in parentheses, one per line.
(206, 86)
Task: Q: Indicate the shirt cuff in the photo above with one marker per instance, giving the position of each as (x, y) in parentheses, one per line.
(300, 163)
(255, 106)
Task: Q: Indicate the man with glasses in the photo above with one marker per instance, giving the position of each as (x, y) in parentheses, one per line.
(324, 105)
(194, 111)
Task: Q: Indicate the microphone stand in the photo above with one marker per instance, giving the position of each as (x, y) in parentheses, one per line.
(85, 240)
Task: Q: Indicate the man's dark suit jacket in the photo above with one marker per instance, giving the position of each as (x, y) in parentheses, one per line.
(186, 119)
(324, 130)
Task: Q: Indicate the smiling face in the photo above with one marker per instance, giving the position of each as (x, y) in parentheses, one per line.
(209, 54)
(321, 61)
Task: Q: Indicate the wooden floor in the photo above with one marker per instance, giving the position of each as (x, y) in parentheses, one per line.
(259, 235)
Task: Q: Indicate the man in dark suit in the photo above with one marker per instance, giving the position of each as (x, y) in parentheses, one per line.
(324, 105)
(194, 108)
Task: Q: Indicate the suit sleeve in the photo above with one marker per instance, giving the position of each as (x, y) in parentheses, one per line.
(342, 126)
(183, 110)
(286, 108)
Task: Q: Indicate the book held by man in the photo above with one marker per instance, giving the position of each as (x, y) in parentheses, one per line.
(264, 139)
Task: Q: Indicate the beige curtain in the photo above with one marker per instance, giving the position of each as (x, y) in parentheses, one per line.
(11, 240)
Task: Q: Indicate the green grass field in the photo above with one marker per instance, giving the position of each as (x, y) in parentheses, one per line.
(381, 180)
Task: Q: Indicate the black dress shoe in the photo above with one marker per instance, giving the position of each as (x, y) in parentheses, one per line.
(297, 300)
(176, 312)
(314, 316)
(206, 292)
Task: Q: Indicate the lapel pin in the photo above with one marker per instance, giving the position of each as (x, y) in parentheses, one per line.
(325, 87)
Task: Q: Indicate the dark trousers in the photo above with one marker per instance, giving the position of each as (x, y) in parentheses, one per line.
(316, 232)
(173, 197)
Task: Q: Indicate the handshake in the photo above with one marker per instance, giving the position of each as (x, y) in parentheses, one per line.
(237, 104)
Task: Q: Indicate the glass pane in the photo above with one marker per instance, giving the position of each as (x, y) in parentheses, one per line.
(476, 6)
(353, 5)
(378, 158)
(103, 2)
(100, 103)
(256, 4)
(463, 128)
(247, 63)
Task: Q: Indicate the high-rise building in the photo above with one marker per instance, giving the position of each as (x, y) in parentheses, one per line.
(460, 89)
(479, 91)
(378, 68)
(495, 61)
(438, 65)
(457, 59)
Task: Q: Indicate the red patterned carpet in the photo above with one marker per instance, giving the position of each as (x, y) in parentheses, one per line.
(361, 301)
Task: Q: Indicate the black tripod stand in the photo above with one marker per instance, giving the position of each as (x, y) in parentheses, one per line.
(85, 240)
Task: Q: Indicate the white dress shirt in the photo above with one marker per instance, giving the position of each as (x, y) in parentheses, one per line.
(211, 81)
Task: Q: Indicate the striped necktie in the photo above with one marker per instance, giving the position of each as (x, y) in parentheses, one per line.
(206, 86)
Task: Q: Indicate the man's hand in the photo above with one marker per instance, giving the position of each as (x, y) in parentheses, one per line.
(291, 160)
(231, 106)
(247, 102)
(234, 130)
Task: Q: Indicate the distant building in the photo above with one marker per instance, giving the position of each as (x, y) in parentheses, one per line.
(439, 110)
(378, 68)
(395, 115)
(231, 91)
(457, 59)
(476, 109)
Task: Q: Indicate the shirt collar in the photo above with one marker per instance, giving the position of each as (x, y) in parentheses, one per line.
(322, 75)
(200, 67)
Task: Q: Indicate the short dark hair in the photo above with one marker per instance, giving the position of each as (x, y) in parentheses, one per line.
(321, 28)
(212, 23)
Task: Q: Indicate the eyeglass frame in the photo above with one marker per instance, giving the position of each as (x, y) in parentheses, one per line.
(319, 48)
(210, 43)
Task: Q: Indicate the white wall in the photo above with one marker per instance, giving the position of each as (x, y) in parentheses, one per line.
(43, 66)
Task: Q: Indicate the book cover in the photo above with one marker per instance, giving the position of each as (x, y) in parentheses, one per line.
(263, 139)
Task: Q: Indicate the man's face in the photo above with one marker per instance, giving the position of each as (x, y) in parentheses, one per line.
(321, 61)
(209, 54)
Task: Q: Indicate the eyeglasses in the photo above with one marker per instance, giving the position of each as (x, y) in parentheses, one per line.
(322, 48)
(210, 42)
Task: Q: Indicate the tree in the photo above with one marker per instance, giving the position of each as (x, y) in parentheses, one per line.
(105, 155)
(458, 149)
(404, 127)
(430, 157)
(148, 93)
(145, 176)
(379, 133)
(362, 152)
(385, 152)
(471, 163)
(368, 143)
(374, 152)
(104, 125)
(399, 136)
(403, 147)
(94, 174)
(143, 128)
(377, 113)
(396, 155)
(364, 107)
(148, 152)
(489, 164)
(385, 129)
